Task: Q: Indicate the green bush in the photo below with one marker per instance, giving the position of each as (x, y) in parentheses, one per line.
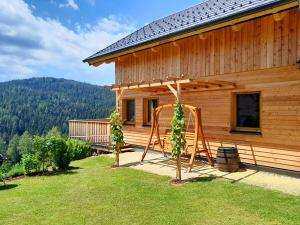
(79, 149)
(2, 175)
(42, 150)
(61, 155)
(30, 163)
(16, 170)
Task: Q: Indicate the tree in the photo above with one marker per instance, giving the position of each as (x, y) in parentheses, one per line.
(25, 144)
(13, 150)
(42, 103)
(2, 146)
(42, 147)
(178, 141)
(117, 135)
(54, 132)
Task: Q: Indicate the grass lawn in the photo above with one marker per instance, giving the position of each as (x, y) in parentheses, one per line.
(96, 194)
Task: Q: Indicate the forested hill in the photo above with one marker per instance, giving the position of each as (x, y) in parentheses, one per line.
(38, 104)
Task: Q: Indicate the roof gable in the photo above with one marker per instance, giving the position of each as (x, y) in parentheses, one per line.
(194, 17)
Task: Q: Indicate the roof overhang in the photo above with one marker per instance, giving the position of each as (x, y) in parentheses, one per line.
(217, 24)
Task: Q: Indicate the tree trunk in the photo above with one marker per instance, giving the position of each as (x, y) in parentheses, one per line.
(117, 162)
(178, 167)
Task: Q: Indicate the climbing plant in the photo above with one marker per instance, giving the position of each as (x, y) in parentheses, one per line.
(117, 135)
(177, 138)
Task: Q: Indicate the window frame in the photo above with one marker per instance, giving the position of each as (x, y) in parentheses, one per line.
(146, 110)
(234, 127)
(125, 111)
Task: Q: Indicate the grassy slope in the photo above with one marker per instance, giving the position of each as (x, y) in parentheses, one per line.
(97, 194)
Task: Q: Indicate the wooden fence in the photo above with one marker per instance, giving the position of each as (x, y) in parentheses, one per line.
(93, 131)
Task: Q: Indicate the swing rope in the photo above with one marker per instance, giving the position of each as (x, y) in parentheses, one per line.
(188, 125)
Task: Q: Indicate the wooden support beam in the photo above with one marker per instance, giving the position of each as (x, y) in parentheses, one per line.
(178, 92)
(175, 44)
(173, 90)
(202, 36)
(237, 27)
(98, 63)
(279, 16)
(153, 50)
(110, 61)
(119, 94)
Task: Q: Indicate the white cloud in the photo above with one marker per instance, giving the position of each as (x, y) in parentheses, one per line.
(69, 4)
(34, 46)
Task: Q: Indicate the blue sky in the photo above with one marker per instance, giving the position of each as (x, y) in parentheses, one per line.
(51, 37)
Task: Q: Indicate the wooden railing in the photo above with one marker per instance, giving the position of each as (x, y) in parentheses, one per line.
(93, 131)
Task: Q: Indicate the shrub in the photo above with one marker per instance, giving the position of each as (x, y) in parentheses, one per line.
(54, 132)
(2, 175)
(42, 149)
(61, 155)
(30, 163)
(79, 149)
(16, 170)
(6, 166)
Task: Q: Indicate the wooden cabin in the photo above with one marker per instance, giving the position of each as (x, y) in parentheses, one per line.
(238, 61)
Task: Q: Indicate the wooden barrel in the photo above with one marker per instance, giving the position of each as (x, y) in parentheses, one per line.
(228, 159)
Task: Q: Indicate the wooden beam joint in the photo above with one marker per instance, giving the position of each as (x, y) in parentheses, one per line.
(202, 36)
(237, 27)
(279, 16)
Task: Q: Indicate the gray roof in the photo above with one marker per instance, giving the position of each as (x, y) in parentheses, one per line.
(201, 15)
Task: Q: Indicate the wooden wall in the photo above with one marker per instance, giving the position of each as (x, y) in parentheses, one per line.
(279, 144)
(261, 56)
(257, 44)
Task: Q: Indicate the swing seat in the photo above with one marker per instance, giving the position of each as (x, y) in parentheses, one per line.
(189, 137)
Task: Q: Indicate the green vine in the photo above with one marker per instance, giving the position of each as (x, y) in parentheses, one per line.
(177, 139)
(116, 128)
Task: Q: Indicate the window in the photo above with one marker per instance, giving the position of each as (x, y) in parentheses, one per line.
(149, 106)
(129, 111)
(247, 108)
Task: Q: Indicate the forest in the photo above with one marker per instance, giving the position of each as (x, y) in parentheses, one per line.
(37, 105)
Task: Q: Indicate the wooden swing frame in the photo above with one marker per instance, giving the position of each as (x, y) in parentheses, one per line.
(198, 132)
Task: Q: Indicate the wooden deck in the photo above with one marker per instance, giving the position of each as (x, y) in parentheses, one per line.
(92, 131)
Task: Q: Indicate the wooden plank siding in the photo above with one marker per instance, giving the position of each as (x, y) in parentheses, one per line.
(259, 56)
(258, 44)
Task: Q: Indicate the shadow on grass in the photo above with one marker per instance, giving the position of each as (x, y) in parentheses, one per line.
(7, 186)
(74, 168)
(201, 179)
(60, 172)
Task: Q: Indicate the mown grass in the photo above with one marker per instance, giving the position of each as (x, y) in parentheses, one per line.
(96, 194)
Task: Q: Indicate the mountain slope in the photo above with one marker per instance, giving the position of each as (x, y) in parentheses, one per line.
(38, 104)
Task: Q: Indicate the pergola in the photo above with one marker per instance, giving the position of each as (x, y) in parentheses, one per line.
(176, 86)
